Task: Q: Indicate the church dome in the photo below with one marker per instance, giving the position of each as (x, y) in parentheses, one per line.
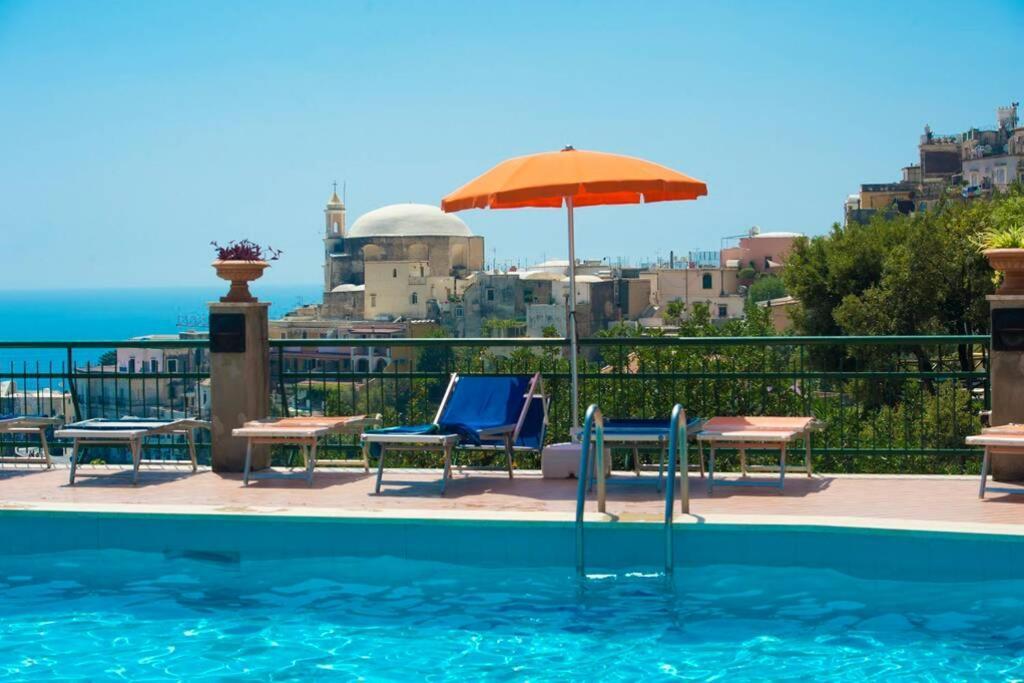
(408, 220)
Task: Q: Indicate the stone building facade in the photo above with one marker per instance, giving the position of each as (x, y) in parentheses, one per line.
(362, 262)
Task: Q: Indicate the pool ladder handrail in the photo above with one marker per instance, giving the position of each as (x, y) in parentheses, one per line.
(677, 443)
(593, 432)
(593, 424)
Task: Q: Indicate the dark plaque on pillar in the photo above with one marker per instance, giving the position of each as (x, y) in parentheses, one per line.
(1008, 329)
(227, 333)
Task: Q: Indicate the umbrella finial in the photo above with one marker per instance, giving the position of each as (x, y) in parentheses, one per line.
(568, 148)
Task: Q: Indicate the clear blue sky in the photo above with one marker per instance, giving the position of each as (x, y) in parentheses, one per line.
(133, 133)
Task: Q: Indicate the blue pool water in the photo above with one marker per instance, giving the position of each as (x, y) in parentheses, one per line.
(90, 614)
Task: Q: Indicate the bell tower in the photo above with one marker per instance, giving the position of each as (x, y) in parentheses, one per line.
(334, 236)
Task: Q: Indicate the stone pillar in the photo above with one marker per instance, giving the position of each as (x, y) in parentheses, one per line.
(1007, 373)
(239, 380)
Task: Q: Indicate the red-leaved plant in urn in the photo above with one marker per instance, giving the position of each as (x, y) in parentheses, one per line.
(240, 262)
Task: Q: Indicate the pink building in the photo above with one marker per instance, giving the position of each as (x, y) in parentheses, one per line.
(767, 250)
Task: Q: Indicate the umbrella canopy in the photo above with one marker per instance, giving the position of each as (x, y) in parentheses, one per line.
(589, 178)
(573, 178)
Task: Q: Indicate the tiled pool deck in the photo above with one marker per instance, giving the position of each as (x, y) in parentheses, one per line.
(947, 503)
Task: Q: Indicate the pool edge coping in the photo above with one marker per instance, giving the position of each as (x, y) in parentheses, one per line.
(541, 517)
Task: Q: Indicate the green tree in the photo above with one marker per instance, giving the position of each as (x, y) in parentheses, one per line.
(919, 274)
(674, 311)
(767, 287)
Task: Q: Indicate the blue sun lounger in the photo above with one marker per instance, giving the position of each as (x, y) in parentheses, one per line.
(29, 424)
(647, 434)
(506, 413)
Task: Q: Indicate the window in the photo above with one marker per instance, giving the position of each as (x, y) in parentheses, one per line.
(394, 272)
(458, 311)
(1000, 176)
(131, 365)
(373, 301)
(490, 294)
(706, 281)
(723, 311)
(154, 365)
(415, 298)
(172, 365)
(528, 296)
(421, 271)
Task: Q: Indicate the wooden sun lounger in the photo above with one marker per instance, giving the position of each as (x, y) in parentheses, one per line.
(130, 433)
(304, 432)
(1003, 440)
(25, 424)
(745, 433)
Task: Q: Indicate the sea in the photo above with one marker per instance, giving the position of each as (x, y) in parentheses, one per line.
(115, 315)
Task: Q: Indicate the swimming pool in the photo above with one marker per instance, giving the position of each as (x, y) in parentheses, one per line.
(154, 597)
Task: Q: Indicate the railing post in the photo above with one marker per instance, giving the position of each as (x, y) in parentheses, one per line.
(280, 381)
(1007, 376)
(72, 386)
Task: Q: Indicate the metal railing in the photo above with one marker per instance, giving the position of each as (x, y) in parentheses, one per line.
(891, 404)
(155, 378)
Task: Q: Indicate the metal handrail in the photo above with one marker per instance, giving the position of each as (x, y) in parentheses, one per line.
(593, 424)
(677, 443)
(593, 437)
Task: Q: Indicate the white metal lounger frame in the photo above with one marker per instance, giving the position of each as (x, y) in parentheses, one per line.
(132, 437)
(30, 425)
(446, 443)
(307, 439)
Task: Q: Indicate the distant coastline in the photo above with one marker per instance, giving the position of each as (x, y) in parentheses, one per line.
(117, 314)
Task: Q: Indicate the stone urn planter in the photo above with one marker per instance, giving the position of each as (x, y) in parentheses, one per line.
(239, 274)
(1010, 262)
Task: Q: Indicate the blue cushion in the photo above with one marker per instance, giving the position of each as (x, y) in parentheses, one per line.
(478, 403)
(629, 426)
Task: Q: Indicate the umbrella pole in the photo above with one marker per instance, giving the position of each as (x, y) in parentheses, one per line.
(573, 367)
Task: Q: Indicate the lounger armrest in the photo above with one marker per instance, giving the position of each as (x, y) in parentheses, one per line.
(492, 432)
(189, 423)
(371, 437)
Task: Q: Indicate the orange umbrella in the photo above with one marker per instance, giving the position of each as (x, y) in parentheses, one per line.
(573, 178)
